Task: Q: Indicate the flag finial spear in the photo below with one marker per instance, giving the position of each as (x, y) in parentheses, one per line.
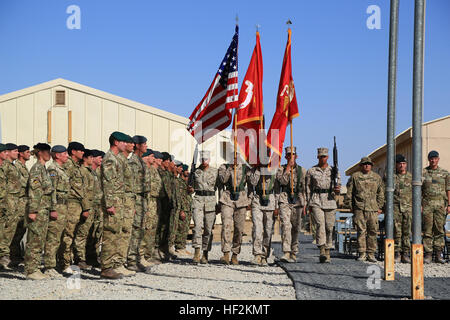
(237, 19)
(257, 27)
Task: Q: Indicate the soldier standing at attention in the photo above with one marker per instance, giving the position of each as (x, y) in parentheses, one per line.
(233, 209)
(85, 223)
(78, 203)
(42, 197)
(15, 250)
(113, 185)
(204, 207)
(57, 221)
(435, 204)
(321, 200)
(3, 156)
(186, 207)
(12, 214)
(365, 197)
(138, 167)
(402, 210)
(263, 207)
(292, 206)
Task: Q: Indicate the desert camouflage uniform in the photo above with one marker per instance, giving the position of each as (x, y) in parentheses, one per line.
(435, 185)
(320, 198)
(95, 233)
(290, 214)
(262, 216)
(12, 214)
(16, 252)
(204, 207)
(61, 184)
(365, 196)
(41, 197)
(112, 181)
(77, 202)
(182, 202)
(138, 168)
(402, 212)
(233, 211)
(85, 224)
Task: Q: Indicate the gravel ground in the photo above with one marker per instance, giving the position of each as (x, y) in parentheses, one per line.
(174, 280)
(432, 270)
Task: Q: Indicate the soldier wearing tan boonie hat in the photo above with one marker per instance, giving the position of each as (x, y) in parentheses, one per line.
(322, 152)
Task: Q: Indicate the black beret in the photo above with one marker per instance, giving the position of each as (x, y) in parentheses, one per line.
(139, 139)
(185, 167)
(400, 158)
(96, 153)
(147, 153)
(166, 156)
(119, 136)
(42, 147)
(58, 149)
(75, 146)
(157, 154)
(433, 154)
(129, 139)
(2, 147)
(23, 148)
(178, 163)
(87, 153)
(11, 146)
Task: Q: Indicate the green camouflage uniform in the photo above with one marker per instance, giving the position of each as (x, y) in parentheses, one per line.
(402, 212)
(112, 181)
(41, 197)
(85, 224)
(138, 168)
(365, 196)
(167, 210)
(182, 202)
(16, 252)
(61, 184)
(95, 233)
(435, 185)
(13, 190)
(156, 192)
(77, 203)
(2, 199)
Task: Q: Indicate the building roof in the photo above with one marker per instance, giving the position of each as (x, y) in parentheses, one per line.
(59, 82)
(400, 138)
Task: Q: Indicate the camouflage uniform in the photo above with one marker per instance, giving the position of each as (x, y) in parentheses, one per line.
(61, 184)
(139, 169)
(290, 214)
(77, 202)
(365, 196)
(42, 197)
(95, 233)
(320, 199)
(435, 185)
(2, 200)
(129, 208)
(84, 224)
(112, 181)
(16, 252)
(233, 211)
(204, 207)
(402, 212)
(182, 202)
(153, 180)
(167, 179)
(262, 215)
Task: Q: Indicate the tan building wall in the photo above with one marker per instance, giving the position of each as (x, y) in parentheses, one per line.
(435, 136)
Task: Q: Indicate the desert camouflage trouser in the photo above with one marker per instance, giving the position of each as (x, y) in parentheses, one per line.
(291, 218)
(434, 215)
(53, 240)
(36, 234)
(8, 224)
(203, 220)
(15, 249)
(366, 223)
(182, 231)
(323, 220)
(402, 230)
(147, 248)
(129, 210)
(232, 216)
(112, 234)
(73, 217)
(95, 235)
(137, 231)
(261, 230)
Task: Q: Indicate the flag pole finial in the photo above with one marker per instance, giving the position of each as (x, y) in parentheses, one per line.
(289, 23)
(237, 19)
(257, 27)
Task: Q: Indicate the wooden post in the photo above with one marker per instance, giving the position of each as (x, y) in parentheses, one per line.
(417, 284)
(389, 266)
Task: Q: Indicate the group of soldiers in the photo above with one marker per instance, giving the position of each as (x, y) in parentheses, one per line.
(131, 207)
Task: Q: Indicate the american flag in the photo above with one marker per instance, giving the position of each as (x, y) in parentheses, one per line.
(213, 113)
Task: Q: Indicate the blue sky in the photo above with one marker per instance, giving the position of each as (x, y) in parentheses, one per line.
(165, 54)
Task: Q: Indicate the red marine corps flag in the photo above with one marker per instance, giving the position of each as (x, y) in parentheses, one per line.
(213, 113)
(249, 115)
(287, 108)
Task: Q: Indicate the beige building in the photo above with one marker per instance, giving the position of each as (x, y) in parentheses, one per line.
(61, 111)
(435, 136)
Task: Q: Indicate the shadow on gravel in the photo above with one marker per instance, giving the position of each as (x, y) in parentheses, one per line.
(328, 274)
(8, 275)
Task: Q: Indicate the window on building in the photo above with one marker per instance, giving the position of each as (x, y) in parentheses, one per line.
(60, 98)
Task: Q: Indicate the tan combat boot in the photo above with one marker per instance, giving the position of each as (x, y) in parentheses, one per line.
(110, 274)
(397, 257)
(322, 256)
(204, 259)
(125, 271)
(196, 258)
(286, 257)
(438, 257)
(427, 257)
(37, 275)
(362, 256)
(53, 274)
(225, 259)
(293, 257)
(234, 259)
(328, 256)
(264, 262)
(371, 257)
(257, 260)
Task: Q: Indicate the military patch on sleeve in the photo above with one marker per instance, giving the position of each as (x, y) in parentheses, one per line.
(52, 174)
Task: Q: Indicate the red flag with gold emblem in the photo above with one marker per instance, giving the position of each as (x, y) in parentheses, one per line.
(249, 114)
(287, 108)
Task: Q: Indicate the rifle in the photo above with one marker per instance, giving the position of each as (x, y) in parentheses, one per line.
(193, 167)
(334, 169)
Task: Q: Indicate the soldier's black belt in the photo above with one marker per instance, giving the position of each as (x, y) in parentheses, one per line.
(204, 193)
(321, 190)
